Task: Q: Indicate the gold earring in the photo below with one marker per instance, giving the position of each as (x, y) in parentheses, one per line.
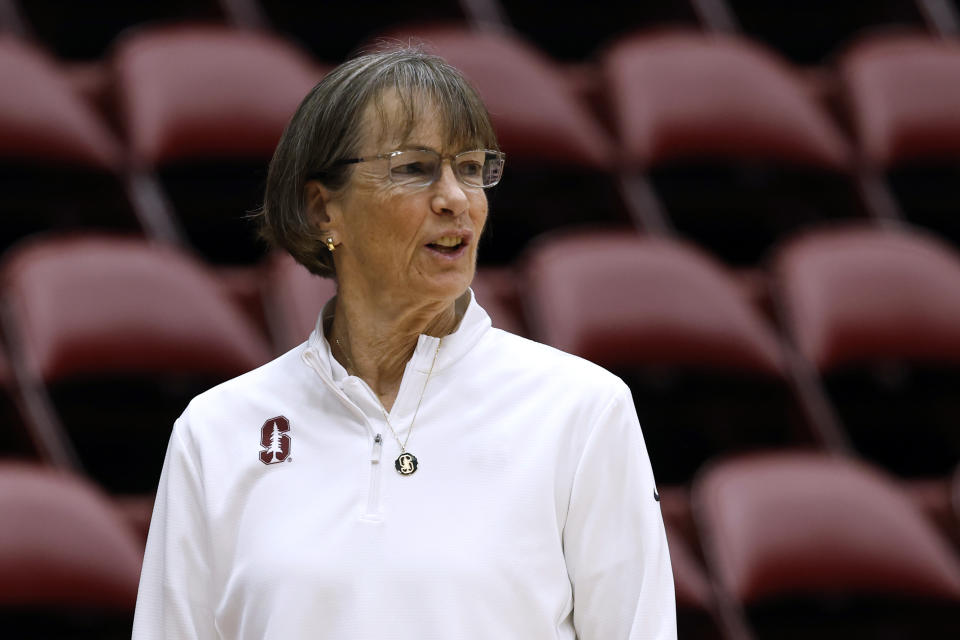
(332, 247)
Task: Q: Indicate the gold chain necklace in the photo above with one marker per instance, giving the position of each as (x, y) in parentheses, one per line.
(406, 463)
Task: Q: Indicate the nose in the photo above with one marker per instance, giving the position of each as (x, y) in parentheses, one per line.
(449, 196)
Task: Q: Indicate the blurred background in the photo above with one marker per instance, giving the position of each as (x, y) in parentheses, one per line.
(749, 210)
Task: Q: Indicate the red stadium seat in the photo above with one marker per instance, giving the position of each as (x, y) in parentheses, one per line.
(721, 140)
(875, 313)
(293, 299)
(677, 95)
(203, 108)
(69, 563)
(559, 158)
(811, 546)
(59, 164)
(109, 339)
(616, 297)
(706, 369)
(43, 119)
(903, 95)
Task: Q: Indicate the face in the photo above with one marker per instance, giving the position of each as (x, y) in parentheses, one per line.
(410, 245)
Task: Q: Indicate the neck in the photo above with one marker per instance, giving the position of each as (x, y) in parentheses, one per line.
(374, 339)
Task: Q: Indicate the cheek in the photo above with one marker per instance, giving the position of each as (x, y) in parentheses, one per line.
(374, 214)
(478, 210)
(401, 222)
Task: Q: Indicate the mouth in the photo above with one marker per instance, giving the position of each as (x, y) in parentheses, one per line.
(450, 244)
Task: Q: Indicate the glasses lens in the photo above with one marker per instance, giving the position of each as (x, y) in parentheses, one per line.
(479, 168)
(492, 168)
(415, 168)
(470, 165)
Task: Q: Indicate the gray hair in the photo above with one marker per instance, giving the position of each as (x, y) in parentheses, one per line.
(326, 128)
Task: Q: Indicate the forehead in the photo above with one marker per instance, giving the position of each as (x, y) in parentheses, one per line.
(392, 120)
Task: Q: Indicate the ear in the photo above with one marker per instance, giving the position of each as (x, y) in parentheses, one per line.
(322, 206)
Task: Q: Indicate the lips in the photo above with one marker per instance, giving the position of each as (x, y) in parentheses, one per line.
(450, 243)
(446, 244)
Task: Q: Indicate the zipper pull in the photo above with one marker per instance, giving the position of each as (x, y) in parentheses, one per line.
(377, 446)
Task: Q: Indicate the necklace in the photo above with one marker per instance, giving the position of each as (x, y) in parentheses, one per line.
(406, 463)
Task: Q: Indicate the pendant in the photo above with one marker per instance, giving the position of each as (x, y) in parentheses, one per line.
(406, 464)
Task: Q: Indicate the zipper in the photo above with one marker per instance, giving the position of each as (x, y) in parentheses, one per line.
(372, 510)
(373, 494)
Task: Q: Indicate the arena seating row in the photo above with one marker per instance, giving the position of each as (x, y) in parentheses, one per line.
(806, 32)
(796, 545)
(846, 374)
(710, 137)
(869, 314)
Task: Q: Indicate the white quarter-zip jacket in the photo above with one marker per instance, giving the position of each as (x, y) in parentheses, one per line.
(532, 515)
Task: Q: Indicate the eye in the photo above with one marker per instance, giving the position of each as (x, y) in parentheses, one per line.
(470, 168)
(411, 169)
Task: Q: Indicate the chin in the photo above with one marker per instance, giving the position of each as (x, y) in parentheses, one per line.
(450, 286)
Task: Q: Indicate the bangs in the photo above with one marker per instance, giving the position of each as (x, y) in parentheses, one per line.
(434, 91)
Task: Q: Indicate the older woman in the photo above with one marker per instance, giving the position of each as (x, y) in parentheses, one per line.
(408, 471)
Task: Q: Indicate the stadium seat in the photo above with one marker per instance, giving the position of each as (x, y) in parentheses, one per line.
(559, 158)
(203, 109)
(109, 338)
(875, 313)
(903, 97)
(706, 369)
(293, 299)
(721, 141)
(805, 545)
(59, 164)
(69, 564)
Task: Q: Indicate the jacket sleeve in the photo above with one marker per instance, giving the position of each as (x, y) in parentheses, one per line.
(174, 600)
(614, 540)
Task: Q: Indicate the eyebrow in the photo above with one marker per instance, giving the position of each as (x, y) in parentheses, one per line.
(412, 146)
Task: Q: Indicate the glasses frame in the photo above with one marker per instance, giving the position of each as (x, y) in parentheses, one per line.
(451, 156)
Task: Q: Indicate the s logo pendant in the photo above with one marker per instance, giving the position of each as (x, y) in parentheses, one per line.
(406, 464)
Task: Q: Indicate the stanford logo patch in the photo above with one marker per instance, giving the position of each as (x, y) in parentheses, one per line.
(275, 440)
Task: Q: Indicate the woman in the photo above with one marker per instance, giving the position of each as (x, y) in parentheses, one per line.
(408, 472)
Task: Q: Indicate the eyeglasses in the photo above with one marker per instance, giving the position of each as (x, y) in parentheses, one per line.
(421, 167)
